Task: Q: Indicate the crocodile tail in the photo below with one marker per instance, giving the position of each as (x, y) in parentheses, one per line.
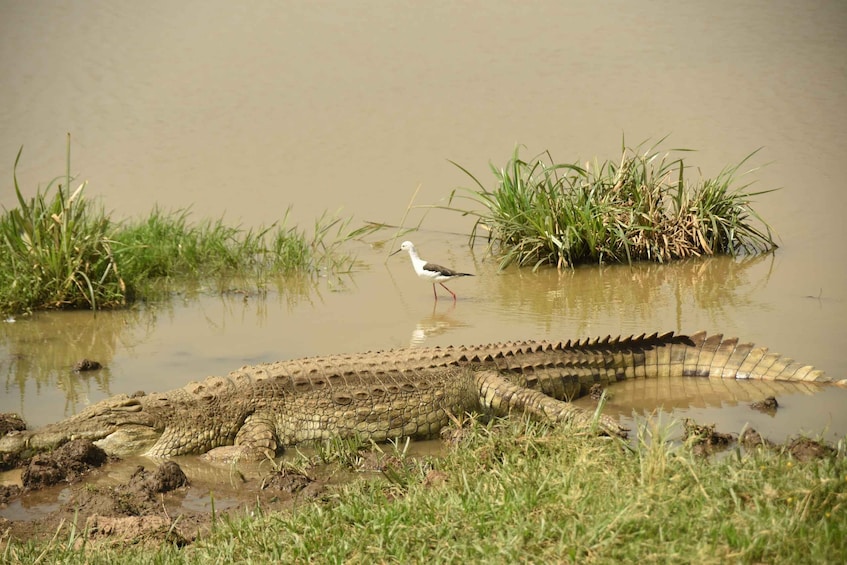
(718, 357)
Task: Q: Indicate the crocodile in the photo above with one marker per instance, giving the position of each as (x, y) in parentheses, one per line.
(409, 392)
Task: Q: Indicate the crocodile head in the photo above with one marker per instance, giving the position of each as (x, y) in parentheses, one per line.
(119, 425)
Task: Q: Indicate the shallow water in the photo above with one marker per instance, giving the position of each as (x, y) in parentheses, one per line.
(804, 409)
(244, 110)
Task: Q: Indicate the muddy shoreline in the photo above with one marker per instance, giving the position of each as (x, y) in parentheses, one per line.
(138, 500)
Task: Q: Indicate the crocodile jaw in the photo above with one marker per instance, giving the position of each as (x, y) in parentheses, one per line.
(129, 440)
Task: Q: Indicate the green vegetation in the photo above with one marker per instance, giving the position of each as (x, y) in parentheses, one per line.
(166, 246)
(58, 250)
(640, 208)
(514, 491)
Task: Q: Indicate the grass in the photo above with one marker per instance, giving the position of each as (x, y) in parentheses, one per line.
(58, 250)
(641, 207)
(168, 247)
(514, 491)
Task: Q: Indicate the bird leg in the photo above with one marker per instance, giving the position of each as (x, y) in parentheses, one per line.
(447, 289)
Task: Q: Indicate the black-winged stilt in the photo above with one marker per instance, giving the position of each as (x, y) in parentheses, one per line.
(430, 271)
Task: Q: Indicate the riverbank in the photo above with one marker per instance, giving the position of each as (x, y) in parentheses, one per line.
(510, 491)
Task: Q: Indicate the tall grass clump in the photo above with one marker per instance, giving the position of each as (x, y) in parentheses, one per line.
(642, 207)
(60, 251)
(169, 245)
(56, 251)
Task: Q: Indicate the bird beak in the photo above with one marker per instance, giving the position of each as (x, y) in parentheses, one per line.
(395, 252)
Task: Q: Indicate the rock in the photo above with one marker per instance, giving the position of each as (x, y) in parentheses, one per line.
(596, 391)
(769, 404)
(11, 423)
(169, 476)
(86, 365)
(67, 463)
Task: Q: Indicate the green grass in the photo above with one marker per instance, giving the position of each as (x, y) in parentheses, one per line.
(58, 250)
(514, 491)
(519, 492)
(641, 207)
(168, 247)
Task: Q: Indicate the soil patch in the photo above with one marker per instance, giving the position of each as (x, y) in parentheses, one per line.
(704, 439)
(767, 405)
(154, 505)
(68, 463)
(11, 423)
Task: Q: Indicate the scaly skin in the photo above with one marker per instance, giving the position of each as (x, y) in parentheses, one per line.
(397, 393)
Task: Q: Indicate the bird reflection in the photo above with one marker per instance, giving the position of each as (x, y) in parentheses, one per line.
(435, 324)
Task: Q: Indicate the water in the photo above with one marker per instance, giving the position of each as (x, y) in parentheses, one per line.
(244, 110)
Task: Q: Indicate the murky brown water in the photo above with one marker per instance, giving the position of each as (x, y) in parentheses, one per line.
(246, 109)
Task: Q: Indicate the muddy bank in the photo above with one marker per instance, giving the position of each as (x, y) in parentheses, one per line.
(137, 500)
(140, 500)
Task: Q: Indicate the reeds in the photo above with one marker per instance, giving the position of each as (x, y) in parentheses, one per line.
(641, 207)
(55, 251)
(168, 245)
(58, 250)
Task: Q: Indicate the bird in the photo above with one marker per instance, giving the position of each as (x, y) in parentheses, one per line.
(430, 271)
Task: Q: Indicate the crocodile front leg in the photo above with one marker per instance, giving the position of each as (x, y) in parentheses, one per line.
(197, 434)
(257, 438)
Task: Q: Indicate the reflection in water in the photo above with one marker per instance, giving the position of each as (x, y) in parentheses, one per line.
(645, 395)
(290, 291)
(437, 323)
(37, 353)
(803, 407)
(40, 351)
(717, 286)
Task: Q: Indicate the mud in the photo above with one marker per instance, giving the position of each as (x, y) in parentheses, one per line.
(68, 463)
(706, 440)
(157, 504)
(110, 501)
(10, 423)
(84, 365)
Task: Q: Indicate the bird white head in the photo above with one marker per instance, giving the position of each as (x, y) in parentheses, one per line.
(407, 246)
